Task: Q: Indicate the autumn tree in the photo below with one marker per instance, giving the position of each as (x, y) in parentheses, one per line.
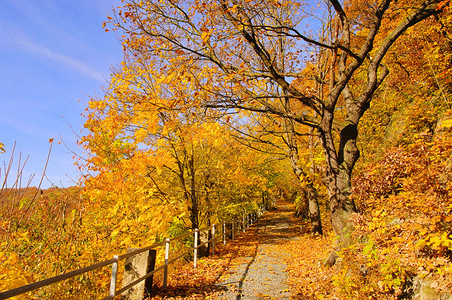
(229, 50)
(155, 161)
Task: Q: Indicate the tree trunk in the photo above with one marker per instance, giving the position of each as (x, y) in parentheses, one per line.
(310, 192)
(338, 180)
(309, 189)
(314, 212)
(341, 206)
(193, 194)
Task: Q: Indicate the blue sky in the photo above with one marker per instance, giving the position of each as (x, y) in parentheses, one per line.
(54, 56)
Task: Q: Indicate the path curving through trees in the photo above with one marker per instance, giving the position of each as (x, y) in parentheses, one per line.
(261, 272)
(249, 267)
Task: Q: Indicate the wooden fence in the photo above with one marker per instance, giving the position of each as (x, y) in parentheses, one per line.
(246, 220)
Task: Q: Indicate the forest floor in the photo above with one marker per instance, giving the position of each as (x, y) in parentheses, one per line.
(273, 259)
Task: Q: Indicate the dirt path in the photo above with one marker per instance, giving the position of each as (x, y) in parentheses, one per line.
(259, 271)
(250, 267)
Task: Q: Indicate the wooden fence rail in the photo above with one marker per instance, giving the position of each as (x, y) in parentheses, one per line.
(246, 219)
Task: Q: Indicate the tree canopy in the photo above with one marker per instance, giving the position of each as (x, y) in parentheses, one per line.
(310, 64)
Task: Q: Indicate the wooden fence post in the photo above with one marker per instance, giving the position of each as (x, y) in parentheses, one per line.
(152, 259)
(232, 229)
(224, 233)
(114, 276)
(213, 239)
(247, 221)
(165, 271)
(195, 249)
